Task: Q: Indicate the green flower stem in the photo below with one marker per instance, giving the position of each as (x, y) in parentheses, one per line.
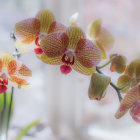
(12, 92)
(104, 65)
(100, 67)
(3, 112)
(9, 112)
(112, 84)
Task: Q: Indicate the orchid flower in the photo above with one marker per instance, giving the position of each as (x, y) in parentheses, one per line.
(30, 31)
(131, 76)
(130, 102)
(12, 71)
(70, 49)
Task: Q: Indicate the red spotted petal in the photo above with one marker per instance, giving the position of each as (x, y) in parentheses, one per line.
(27, 30)
(129, 100)
(74, 34)
(56, 27)
(54, 44)
(46, 18)
(87, 53)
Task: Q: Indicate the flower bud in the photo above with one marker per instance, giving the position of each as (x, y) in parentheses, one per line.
(98, 86)
(118, 63)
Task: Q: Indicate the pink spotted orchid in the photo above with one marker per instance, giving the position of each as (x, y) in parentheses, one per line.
(70, 49)
(12, 71)
(30, 31)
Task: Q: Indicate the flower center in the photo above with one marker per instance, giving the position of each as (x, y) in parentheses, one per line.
(3, 82)
(67, 59)
(38, 50)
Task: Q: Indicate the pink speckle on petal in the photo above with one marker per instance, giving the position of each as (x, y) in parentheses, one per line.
(65, 69)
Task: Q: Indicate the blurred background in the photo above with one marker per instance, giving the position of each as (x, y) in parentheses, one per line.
(61, 101)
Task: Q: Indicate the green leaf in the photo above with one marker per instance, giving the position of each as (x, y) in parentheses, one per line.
(8, 98)
(25, 130)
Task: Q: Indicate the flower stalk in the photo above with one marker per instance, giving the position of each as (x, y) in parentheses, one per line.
(3, 112)
(104, 65)
(112, 84)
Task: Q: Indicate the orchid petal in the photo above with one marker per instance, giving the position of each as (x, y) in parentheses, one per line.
(56, 27)
(135, 111)
(133, 69)
(18, 82)
(101, 49)
(27, 30)
(83, 70)
(25, 47)
(73, 19)
(129, 100)
(46, 18)
(75, 34)
(87, 53)
(48, 60)
(122, 81)
(105, 39)
(5, 58)
(23, 70)
(95, 28)
(54, 45)
(12, 67)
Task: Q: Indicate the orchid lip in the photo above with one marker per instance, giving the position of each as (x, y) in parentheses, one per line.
(68, 58)
(65, 69)
(3, 82)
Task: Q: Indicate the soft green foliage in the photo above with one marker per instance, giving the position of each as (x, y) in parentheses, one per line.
(8, 97)
(25, 130)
